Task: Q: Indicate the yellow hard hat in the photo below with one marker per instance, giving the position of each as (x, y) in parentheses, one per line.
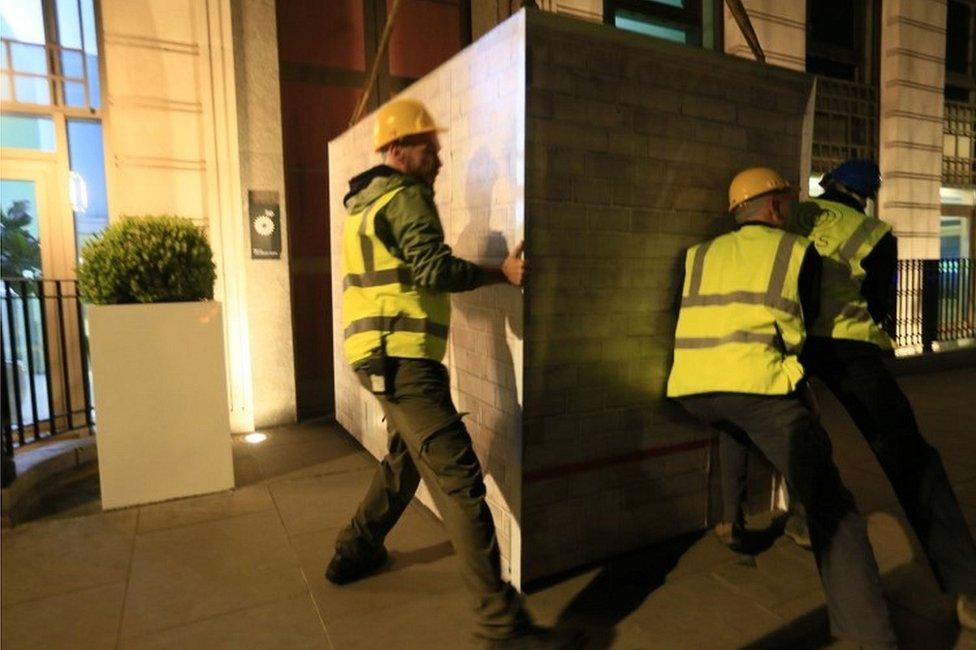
(753, 182)
(401, 118)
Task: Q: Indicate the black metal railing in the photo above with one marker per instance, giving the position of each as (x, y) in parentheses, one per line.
(935, 300)
(44, 357)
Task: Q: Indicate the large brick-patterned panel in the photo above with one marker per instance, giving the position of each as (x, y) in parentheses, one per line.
(610, 153)
(630, 145)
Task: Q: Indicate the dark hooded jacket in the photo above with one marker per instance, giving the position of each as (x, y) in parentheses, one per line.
(411, 229)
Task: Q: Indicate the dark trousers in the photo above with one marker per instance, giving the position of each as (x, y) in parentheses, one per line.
(855, 373)
(790, 437)
(428, 440)
(733, 454)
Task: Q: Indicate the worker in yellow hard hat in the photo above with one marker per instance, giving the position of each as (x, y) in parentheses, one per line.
(398, 274)
(747, 297)
(750, 185)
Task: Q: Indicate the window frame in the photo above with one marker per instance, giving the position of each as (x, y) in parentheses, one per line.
(55, 76)
(865, 55)
(959, 126)
(690, 17)
(965, 81)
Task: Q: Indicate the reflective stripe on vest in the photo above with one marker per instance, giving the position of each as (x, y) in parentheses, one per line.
(771, 297)
(844, 237)
(399, 275)
(741, 323)
(395, 324)
(735, 337)
(380, 303)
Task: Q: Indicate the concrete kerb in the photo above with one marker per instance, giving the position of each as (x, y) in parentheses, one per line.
(948, 359)
(44, 469)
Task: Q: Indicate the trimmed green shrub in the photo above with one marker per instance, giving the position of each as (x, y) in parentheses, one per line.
(147, 259)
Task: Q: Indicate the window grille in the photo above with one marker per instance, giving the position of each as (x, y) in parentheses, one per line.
(959, 130)
(845, 123)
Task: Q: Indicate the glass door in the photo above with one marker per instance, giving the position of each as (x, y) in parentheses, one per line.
(34, 207)
(41, 345)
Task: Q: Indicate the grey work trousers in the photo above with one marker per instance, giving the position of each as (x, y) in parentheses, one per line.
(856, 374)
(790, 437)
(428, 440)
(733, 455)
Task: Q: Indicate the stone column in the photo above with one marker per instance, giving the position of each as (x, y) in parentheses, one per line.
(912, 102)
(266, 281)
(780, 27)
(192, 121)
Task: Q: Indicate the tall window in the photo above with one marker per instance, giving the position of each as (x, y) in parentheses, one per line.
(842, 39)
(693, 22)
(842, 50)
(50, 55)
(960, 59)
(50, 102)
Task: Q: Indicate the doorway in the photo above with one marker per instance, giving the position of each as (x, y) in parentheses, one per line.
(43, 348)
(52, 196)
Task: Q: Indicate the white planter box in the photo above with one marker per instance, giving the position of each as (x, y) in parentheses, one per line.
(160, 389)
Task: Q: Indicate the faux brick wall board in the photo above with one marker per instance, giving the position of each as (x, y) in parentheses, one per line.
(631, 144)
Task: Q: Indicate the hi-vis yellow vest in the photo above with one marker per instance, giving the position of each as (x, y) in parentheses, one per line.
(380, 304)
(844, 237)
(740, 327)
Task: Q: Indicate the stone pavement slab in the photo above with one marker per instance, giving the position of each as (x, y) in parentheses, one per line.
(57, 557)
(422, 564)
(325, 502)
(782, 573)
(696, 612)
(244, 569)
(182, 512)
(190, 573)
(428, 622)
(86, 618)
(290, 623)
(298, 450)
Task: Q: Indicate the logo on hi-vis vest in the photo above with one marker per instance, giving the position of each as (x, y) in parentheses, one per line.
(824, 233)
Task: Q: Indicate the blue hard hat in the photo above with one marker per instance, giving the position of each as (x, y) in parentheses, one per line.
(859, 175)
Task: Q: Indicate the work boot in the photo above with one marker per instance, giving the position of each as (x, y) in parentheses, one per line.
(797, 530)
(731, 535)
(345, 567)
(535, 637)
(966, 611)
